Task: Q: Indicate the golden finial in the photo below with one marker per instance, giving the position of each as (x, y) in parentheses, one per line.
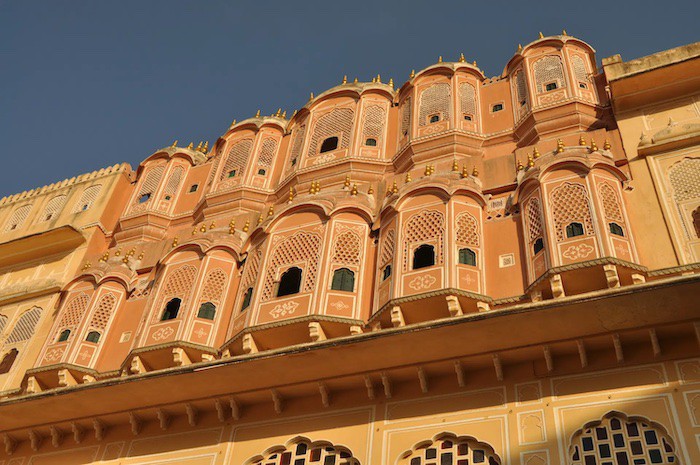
(284, 114)
(530, 161)
(104, 257)
(475, 172)
(347, 181)
(581, 140)
(203, 228)
(174, 143)
(474, 63)
(233, 123)
(379, 79)
(312, 187)
(212, 225)
(427, 170)
(232, 223)
(279, 112)
(125, 260)
(593, 147)
(131, 252)
(194, 231)
(260, 219)
(231, 229)
(465, 171)
(440, 59)
(291, 194)
(257, 113)
(345, 79)
(541, 36)
(311, 96)
(563, 32)
(560, 146)
(87, 265)
(391, 82)
(295, 113)
(205, 149)
(175, 241)
(370, 191)
(413, 74)
(199, 146)
(190, 146)
(353, 191)
(606, 145)
(374, 80)
(246, 226)
(271, 211)
(394, 188)
(408, 177)
(461, 58)
(140, 257)
(520, 165)
(318, 187)
(520, 48)
(118, 252)
(535, 153)
(355, 80)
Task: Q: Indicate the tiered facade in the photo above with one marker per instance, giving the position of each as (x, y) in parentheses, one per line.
(463, 270)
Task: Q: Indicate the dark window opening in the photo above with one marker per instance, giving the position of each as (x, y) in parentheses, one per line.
(207, 311)
(343, 280)
(467, 257)
(550, 86)
(386, 273)
(538, 245)
(329, 144)
(65, 334)
(171, 309)
(85, 207)
(294, 161)
(616, 229)
(246, 298)
(696, 221)
(145, 197)
(93, 336)
(497, 107)
(8, 360)
(262, 172)
(290, 282)
(582, 85)
(434, 118)
(523, 102)
(371, 142)
(168, 197)
(467, 117)
(424, 256)
(49, 216)
(194, 187)
(574, 229)
(231, 173)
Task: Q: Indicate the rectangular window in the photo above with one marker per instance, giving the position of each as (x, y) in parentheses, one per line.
(497, 107)
(551, 86)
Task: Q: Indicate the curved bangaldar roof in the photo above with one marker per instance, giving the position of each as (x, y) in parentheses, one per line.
(558, 40)
(450, 67)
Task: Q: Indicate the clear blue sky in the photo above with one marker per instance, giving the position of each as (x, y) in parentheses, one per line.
(86, 84)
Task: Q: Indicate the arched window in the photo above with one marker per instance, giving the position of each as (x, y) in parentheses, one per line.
(424, 256)
(329, 144)
(538, 245)
(467, 257)
(370, 142)
(448, 449)
(207, 311)
(616, 229)
(386, 273)
(574, 229)
(246, 298)
(305, 452)
(434, 118)
(65, 334)
(621, 440)
(93, 336)
(290, 282)
(8, 360)
(144, 197)
(171, 309)
(343, 280)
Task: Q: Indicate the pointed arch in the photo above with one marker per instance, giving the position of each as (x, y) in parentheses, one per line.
(24, 328)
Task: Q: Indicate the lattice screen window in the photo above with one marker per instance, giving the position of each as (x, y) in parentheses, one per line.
(685, 179)
(467, 230)
(103, 312)
(214, 286)
(427, 227)
(611, 203)
(267, 152)
(405, 117)
(24, 328)
(173, 183)
(451, 450)
(467, 100)
(53, 208)
(347, 249)
(336, 123)
(570, 204)
(307, 453)
(18, 217)
(548, 70)
(302, 248)
(617, 439)
(250, 273)
(87, 198)
(534, 219)
(387, 253)
(297, 144)
(3, 323)
(579, 68)
(373, 124)
(178, 284)
(435, 100)
(521, 90)
(237, 159)
(148, 188)
(73, 312)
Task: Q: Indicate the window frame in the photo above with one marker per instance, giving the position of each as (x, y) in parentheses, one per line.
(327, 150)
(281, 281)
(472, 255)
(424, 246)
(166, 309)
(347, 274)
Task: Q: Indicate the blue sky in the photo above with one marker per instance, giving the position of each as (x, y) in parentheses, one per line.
(87, 84)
